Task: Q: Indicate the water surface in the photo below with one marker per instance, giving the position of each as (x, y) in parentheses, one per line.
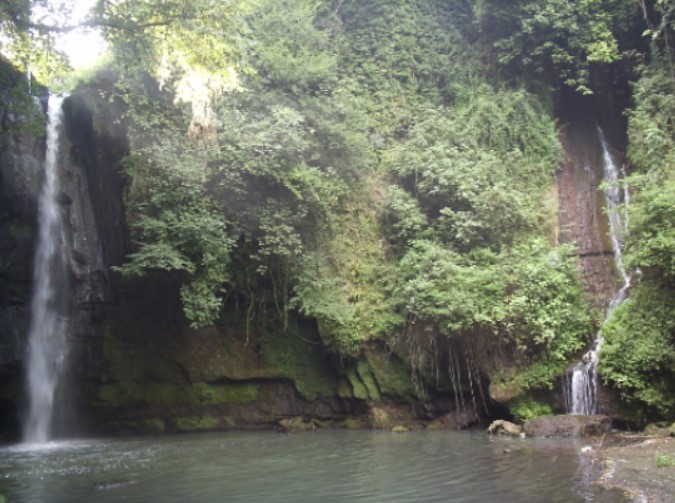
(321, 466)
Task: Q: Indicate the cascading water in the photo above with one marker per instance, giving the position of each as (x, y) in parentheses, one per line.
(581, 383)
(46, 339)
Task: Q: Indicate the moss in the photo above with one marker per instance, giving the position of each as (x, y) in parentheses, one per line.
(359, 389)
(110, 395)
(230, 392)
(128, 393)
(295, 354)
(344, 390)
(363, 369)
(391, 375)
(436, 424)
(197, 423)
(353, 423)
(298, 423)
(505, 391)
(511, 383)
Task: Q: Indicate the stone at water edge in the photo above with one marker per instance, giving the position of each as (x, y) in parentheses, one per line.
(502, 427)
(660, 429)
(567, 426)
(400, 429)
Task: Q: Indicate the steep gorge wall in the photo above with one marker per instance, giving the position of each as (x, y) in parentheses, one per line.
(134, 364)
(582, 206)
(20, 167)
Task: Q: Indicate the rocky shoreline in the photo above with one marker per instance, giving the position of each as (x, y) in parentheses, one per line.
(640, 466)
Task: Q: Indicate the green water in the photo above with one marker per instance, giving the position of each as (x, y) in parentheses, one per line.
(321, 466)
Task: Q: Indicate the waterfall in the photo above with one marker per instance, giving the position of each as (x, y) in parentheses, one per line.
(581, 383)
(46, 338)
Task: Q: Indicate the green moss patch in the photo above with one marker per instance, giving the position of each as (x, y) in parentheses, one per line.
(197, 423)
(231, 392)
(296, 354)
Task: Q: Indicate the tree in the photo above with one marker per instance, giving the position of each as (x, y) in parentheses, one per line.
(556, 39)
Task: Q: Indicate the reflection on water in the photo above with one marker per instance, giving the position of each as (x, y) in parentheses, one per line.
(325, 466)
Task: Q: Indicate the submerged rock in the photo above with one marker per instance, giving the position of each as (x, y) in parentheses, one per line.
(502, 427)
(567, 426)
(110, 484)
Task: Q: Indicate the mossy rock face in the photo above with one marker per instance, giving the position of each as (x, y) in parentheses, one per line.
(505, 392)
(386, 416)
(344, 390)
(197, 423)
(296, 354)
(377, 376)
(353, 423)
(368, 380)
(436, 424)
(172, 370)
(224, 393)
(359, 389)
(128, 394)
(390, 374)
(298, 424)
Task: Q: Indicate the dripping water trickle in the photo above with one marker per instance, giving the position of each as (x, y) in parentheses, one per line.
(581, 383)
(47, 347)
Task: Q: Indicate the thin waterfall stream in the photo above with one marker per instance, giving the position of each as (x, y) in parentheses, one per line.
(582, 381)
(47, 347)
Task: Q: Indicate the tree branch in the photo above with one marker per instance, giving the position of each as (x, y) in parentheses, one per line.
(98, 23)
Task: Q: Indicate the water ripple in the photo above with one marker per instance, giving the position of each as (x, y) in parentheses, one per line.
(323, 466)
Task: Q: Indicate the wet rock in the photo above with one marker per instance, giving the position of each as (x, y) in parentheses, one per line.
(502, 427)
(297, 424)
(109, 484)
(400, 429)
(660, 429)
(386, 416)
(567, 426)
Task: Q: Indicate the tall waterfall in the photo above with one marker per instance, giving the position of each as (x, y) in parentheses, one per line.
(581, 384)
(46, 339)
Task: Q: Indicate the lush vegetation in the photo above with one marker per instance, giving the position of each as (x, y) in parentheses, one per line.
(386, 168)
(639, 353)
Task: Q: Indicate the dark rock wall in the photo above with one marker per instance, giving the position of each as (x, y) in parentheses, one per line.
(582, 215)
(21, 153)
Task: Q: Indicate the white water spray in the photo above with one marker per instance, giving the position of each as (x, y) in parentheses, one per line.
(46, 338)
(581, 385)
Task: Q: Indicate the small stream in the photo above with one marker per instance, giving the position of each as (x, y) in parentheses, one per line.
(321, 466)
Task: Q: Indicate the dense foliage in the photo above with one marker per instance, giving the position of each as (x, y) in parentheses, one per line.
(556, 38)
(639, 353)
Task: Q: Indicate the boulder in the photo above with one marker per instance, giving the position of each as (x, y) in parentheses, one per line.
(502, 427)
(659, 429)
(400, 429)
(567, 426)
